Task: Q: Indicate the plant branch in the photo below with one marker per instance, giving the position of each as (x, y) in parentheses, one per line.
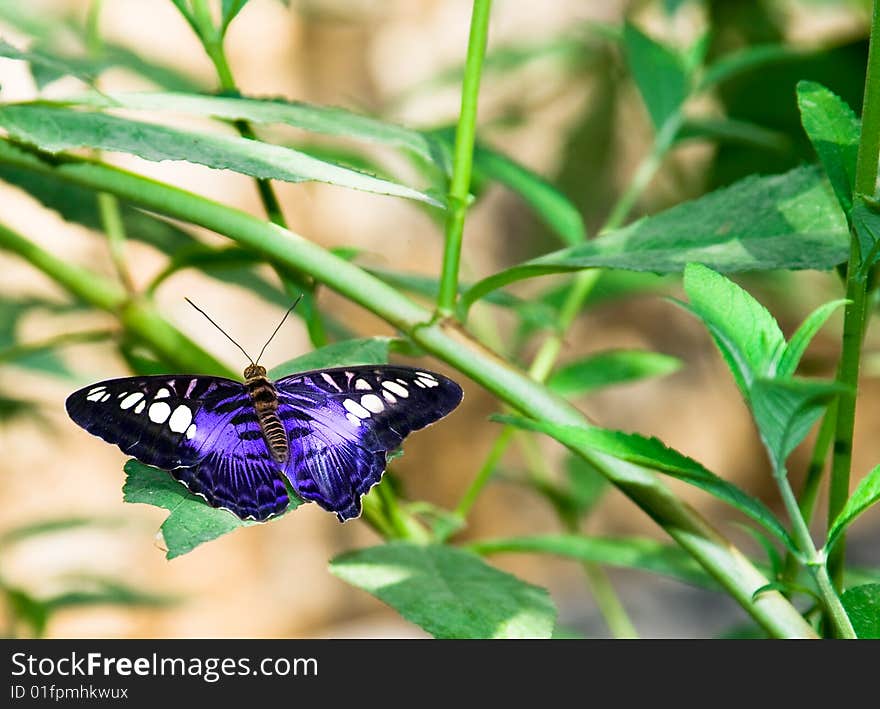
(462, 158)
(856, 311)
(815, 562)
(138, 316)
(450, 343)
(447, 341)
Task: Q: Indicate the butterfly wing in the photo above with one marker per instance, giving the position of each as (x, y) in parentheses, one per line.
(342, 422)
(204, 430)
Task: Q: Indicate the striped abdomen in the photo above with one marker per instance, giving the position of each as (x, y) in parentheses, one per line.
(265, 400)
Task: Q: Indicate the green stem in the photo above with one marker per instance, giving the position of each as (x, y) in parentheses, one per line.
(855, 314)
(816, 466)
(138, 317)
(462, 158)
(111, 222)
(608, 602)
(836, 612)
(484, 473)
(812, 481)
(848, 376)
(816, 563)
(581, 287)
(446, 340)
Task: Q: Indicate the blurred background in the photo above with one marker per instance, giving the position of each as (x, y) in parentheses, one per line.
(557, 98)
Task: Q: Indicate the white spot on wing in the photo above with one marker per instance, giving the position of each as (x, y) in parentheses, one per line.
(327, 378)
(159, 412)
(163, 393)
(97, 395)
(419, 383)
(191, 431)
(362, 384)
(428, 382)
(180, 419)
(389, 397)
(96, 389)
(353, 420)
(355, 408)
(396, 388)
(426, 375)
(105, 398)
(140, 407)
(131, 400)
(372, 403)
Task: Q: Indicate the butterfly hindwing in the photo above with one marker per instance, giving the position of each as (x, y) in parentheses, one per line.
(341, 423)
(204, 430)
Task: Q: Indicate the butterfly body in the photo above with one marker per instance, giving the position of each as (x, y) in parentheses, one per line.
(265, 401)
(326, 433)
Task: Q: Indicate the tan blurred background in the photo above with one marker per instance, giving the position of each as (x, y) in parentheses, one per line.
(272, 580)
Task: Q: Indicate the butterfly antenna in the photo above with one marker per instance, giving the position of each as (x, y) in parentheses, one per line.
(210, 320)
(289, 311)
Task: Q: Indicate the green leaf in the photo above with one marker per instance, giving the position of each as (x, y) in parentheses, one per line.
(449, 592)
(866, 222)
(369, 350)
(790, 221)
(785, 411)
(731, 130)
(865, 495)
(582, 490)
(192, 520)
(744, 330)
(229, 9)
(653, 453)
(27, 608)
(46, 66)
(834, 131)
(747, 59)
(586, 485)
(326, 120)
(660, 74)
(862, 605)
(54, 129)
(626, 553)
(800, 340)
(553, 207)
(610, 368)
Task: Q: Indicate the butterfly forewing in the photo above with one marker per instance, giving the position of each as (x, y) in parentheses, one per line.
(340, 424)
(203, 430)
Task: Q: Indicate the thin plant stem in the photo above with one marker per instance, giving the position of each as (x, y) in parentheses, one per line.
(443, 339)
(462, 157)
(812, 481)
(856, 310)
(108, 205)
(607, 601)
(111, 222)
(545, 359)
(815, 562)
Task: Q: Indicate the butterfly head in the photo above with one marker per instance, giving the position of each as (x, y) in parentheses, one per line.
(254, 371)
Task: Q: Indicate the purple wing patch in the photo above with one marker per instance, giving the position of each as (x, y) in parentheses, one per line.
(202, 429)
(342, 422)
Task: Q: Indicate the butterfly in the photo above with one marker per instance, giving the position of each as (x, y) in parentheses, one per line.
(326, 431)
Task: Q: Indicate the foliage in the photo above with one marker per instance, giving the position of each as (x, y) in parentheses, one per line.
(821, 217)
